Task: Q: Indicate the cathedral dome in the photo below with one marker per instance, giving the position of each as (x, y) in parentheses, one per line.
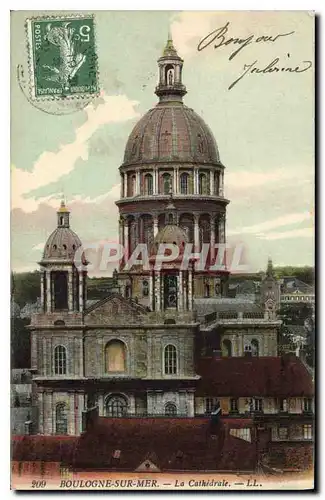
(171, 132)
(63, 242)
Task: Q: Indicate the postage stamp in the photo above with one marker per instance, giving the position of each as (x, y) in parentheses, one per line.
(62, 56)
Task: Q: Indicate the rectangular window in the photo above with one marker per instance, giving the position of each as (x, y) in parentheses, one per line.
(233, 405)
(258, 405)
(283, 405)
(307, 404)
(210, 404)
(283, 433)
(307, 431)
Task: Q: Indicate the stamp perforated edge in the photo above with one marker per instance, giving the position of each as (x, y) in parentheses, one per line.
(30, 58)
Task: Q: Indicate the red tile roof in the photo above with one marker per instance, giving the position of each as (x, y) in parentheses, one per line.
(254, 376)
(171, 444)
(43, 448)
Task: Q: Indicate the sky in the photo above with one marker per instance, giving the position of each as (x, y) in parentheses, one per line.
(264, 128)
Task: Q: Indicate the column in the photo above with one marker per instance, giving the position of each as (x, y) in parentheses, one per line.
(132, 404)
(155, 181)
(138, 182)
(48, 291)
(158, 284)
(221, 179)
(196, 184)
(212, 182)
(70, 291)
(196, 233)
(151, 292)
(71, 423)
(181, 295)
(41, 412)
(155, 225)
(222, 228)
(212, 239)
(190, 290)
(121, 231)
(101, 407)
(126, 238)
(125, 184)
(122, 185)
(185, 297)
(81, 285)
(175, 180)
(190, 403)
(138, 230)
(81, 357)
(42, 290)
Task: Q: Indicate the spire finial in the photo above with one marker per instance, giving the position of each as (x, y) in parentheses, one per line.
(63, 207)
(269, 270)
(170, 50)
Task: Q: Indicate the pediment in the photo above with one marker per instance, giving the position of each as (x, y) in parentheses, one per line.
(114, 309)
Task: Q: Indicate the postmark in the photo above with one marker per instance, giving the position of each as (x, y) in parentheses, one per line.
(62, 57)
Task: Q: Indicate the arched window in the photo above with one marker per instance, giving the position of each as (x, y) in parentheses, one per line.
(203, 184)
(170, 360)
(115, 356)
(145, 288)
(255, 347)
(116, 406)
(170, 77)
(170, 410)
(148, 184)
(184, 183)
(167, 183)
(206, 290)
(60, 360)
(169, 74)
(61, 419)
(226, 348)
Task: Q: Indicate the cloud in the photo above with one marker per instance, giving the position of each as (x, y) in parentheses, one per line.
(240, 181)
(50, 167)
(188, 28)
(307, 232)
(283, 220)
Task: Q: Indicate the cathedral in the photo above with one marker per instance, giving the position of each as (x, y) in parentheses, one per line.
(168, 342)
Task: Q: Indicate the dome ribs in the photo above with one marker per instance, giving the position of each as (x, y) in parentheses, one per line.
(171, 133)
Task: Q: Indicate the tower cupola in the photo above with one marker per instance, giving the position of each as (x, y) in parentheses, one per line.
(170, 87)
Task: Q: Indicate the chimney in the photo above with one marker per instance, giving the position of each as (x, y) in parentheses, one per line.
(89, 418)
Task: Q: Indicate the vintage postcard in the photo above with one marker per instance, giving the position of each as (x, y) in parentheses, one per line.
(162, 250)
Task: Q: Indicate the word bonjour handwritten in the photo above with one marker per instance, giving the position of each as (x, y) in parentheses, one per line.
(218, 38)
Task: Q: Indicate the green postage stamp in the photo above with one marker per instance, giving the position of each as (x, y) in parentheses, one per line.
(62, 56)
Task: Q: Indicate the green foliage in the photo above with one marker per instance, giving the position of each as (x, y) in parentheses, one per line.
(305, 274)
(20, 343)
(25, 287)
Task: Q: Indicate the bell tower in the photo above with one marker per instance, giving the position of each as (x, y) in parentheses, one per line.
(170, 87)
(63, 283)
